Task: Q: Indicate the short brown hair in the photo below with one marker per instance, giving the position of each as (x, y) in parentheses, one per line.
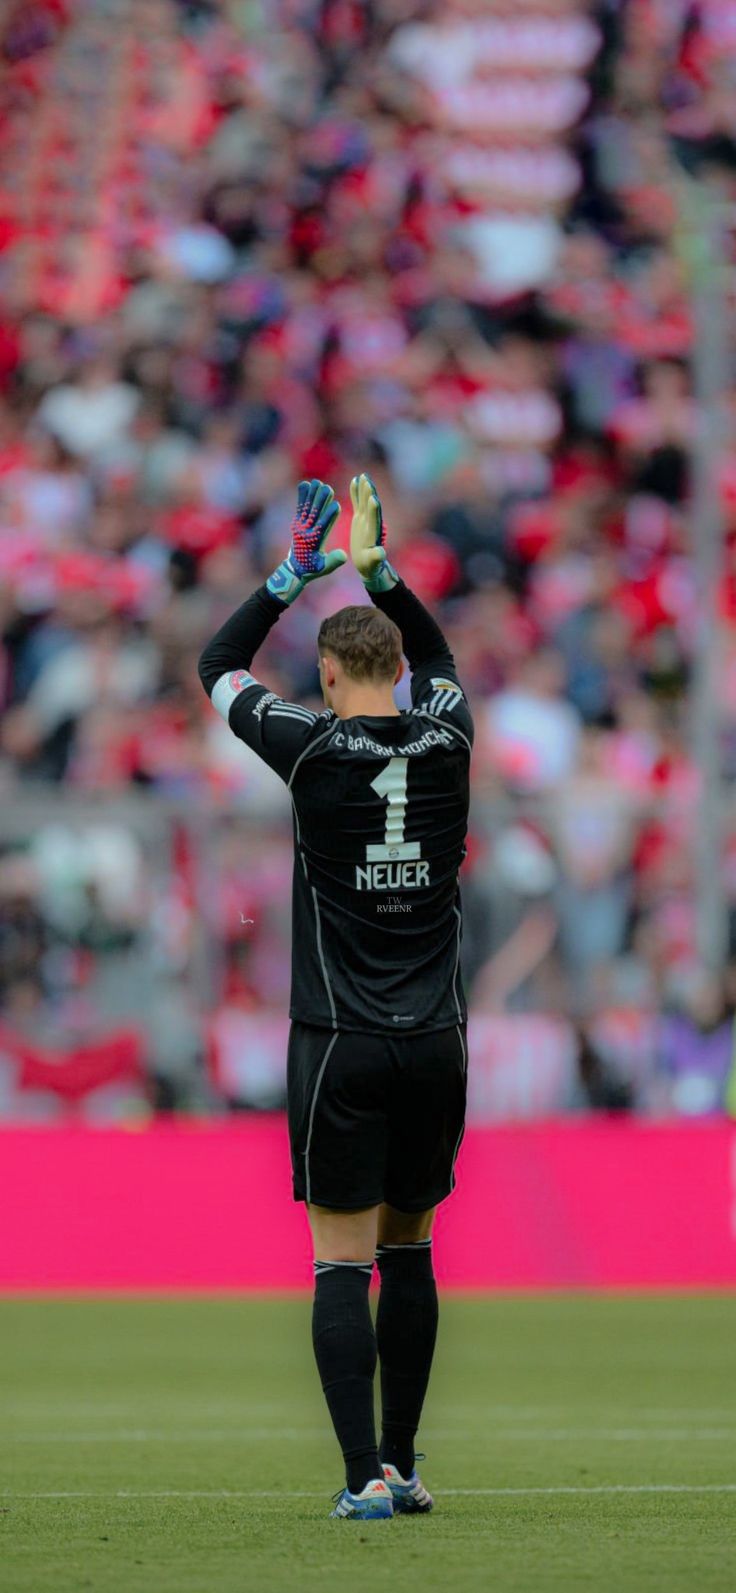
(364, 640)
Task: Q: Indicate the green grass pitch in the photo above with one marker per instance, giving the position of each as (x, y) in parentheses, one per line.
(180, 1446)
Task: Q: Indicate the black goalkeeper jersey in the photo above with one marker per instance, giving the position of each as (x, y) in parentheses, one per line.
(380, 809)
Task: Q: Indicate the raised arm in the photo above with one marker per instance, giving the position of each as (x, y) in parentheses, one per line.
(424, 643)
(236, 643)
(277, 730)
(435, 687)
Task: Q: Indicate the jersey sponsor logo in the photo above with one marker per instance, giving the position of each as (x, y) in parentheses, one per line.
(262, 704)
(391, 876)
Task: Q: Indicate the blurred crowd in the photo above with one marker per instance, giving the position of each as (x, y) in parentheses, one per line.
(245, 243)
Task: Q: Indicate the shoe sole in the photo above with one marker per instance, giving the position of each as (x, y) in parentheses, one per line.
(372, 1515)
(409, 1507)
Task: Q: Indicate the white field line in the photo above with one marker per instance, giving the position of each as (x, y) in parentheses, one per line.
(269, 1411)
(247, 1435)
(135, 1435)
(444, 1493)
(542, 1413)
(616, 1435)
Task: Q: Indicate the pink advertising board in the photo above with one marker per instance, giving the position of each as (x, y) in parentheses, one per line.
(576, 1204)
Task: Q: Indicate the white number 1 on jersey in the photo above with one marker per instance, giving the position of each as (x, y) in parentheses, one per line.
(391, 784)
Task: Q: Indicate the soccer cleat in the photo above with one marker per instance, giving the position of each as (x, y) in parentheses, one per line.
(409, 1494)
(374, 1503)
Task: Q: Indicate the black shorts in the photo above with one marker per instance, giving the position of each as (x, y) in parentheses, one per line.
(375, 1117)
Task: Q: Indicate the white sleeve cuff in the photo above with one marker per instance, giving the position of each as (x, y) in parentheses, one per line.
(228, 689)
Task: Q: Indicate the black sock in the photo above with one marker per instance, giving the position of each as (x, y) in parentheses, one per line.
(406, 1330)
(345, 1350)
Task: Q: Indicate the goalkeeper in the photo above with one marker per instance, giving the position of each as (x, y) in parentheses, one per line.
(377, 1059)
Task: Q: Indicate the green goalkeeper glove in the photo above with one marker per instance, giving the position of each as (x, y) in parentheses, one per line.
(368, 537)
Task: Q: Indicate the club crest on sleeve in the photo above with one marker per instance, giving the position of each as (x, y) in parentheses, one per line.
(227, 691)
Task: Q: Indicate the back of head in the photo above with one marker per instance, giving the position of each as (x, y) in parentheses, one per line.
(364, 641)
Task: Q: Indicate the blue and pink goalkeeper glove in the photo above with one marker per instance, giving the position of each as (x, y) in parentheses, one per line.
(316, 512)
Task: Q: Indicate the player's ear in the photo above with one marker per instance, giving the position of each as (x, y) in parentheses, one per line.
(400, 672)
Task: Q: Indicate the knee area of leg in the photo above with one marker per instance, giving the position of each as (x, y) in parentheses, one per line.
(342, 1286)
(341, 1301)
(412, 1260)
